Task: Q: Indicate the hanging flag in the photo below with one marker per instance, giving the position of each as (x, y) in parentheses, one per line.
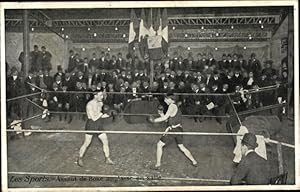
(155, 40)
(132, 33)
(143, 31)
(157, 23)
(150, 24)
(164, 34)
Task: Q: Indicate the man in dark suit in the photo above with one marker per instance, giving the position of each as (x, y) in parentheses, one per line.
(94, 62)
(72, 63)
(253, 169)
(46, 59)
(254, 65)
(102, 61)
(36, 59)
(223, 64)
(211, 60)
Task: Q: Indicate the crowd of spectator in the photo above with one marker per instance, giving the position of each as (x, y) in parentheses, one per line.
(204, 74)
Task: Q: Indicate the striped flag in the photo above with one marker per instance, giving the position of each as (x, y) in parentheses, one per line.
(132, 33)
(165, 36)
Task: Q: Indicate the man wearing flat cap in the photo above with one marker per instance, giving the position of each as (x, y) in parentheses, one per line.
(253, 169)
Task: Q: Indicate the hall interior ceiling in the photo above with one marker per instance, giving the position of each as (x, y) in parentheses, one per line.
(185, 24)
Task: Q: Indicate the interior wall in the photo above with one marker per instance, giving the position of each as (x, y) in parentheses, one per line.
(14, 46)
(278, 51)
(261, 49)
(60, 49)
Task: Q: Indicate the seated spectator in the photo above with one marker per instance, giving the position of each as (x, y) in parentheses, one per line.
(268, 70)
(120, 100)
(249, 80)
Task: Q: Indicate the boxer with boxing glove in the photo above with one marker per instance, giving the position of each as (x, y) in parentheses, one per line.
(174, 117)
(95, 114)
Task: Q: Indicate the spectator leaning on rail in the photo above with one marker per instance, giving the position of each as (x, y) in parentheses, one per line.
(252, 169)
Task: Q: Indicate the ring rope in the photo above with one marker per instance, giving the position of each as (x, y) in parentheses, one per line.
(150, 93)
(22, 96)
(120, 176)
(262, 109)
(268, 140)
(124, 132)
(35, 86)
(142, 133)
(38, 106)
(27, 119)
(138, 114)
(235, 110)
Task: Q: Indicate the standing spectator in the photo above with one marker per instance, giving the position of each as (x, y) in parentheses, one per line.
(229, 61)
(243, 63)
(36, 59)
(94, 62)
(78, 61)
(85, 67)
(254, 65)
(72, 63)
(211, 60)
(46, 59)
(236, 65)
(174, 62)
(204, 62)
(121, 63)
(223, 64)
(198, 64)
(102, 61)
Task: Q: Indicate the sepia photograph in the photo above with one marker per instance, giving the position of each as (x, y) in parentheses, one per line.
(149, 96)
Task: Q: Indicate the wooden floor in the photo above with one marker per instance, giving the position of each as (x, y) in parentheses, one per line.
(133, 155)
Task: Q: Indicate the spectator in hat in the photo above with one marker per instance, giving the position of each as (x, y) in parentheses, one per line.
(253, 169)
(94, 62)
(46, 59)
(102, 60)
(236, 65)
(254, 65)
(36, 59)
(211, 60)
(174, 61)
(269, 71)
(72, 64)
(229, 61)
(243, 63)
(223, 64)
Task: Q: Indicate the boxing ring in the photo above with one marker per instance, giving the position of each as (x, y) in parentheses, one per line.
(146, 132)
